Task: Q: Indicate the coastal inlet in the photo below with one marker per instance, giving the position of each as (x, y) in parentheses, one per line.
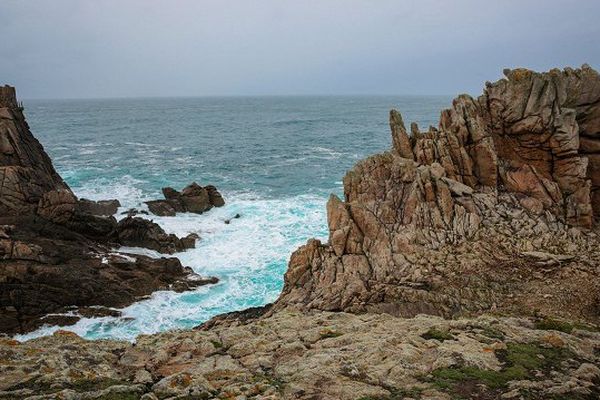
(275, 160)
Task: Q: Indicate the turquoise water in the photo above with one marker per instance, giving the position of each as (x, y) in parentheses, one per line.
(275, 159)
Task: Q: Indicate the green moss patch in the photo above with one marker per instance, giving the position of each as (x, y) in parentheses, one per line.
(437, 334)
(397, 394)
(550, 324)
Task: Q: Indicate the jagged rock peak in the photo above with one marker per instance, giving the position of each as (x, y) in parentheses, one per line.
(533, 134)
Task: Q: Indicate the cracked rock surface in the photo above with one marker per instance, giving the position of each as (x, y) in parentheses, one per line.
(315, 355)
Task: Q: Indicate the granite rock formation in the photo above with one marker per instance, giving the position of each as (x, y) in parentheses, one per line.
(193, 198)
(456, 220)
(56, 250)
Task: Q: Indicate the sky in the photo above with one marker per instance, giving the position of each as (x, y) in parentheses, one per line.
(140, 48)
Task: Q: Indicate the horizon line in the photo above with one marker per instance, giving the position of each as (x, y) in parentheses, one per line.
(235, 96)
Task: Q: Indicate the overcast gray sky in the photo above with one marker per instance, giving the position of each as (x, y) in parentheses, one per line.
(128, 48)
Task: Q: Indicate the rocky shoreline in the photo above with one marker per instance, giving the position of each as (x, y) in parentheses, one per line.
(57, 257)
(461, 264)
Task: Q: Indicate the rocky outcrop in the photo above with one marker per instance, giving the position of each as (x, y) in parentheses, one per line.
(26, 172)
(56, 250)
(329, 356)
(47, 268)
(445, 223)
(193, 198)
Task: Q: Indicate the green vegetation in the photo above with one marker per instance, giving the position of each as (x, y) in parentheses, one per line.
(120, 396)
(521, 361)
(492, 333)
(549, 324)
(437, 334)
(270, 380)
(397, 394)
(217, 344)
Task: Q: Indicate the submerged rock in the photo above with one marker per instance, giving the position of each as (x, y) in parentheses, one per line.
(193, 198)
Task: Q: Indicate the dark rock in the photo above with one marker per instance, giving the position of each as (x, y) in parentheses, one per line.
(134, 211)
(100, 208)
(193, 198)
(189, 241)
(214, 196)
(139, 232)
(228, 221)
(161, 208)
(46, 268)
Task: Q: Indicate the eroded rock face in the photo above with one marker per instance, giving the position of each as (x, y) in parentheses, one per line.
(442, 223)
(26, 172)
(193, 198)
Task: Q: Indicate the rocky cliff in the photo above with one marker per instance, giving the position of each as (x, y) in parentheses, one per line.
(26, 172)
(56, 251)
(493, 211)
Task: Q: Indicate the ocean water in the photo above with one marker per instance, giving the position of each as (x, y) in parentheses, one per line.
(274, 159)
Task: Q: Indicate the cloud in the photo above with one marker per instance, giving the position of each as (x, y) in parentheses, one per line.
(109, 48)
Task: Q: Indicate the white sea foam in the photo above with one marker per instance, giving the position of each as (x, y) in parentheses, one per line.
(249, 256)
(124, 189)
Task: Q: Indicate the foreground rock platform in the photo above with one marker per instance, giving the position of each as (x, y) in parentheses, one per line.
(316, 355)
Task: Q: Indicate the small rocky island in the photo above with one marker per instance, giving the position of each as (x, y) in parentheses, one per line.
(193, 198)
(56, 251)
(461, 264)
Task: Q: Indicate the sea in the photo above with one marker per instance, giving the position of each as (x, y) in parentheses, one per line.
(276, 160)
